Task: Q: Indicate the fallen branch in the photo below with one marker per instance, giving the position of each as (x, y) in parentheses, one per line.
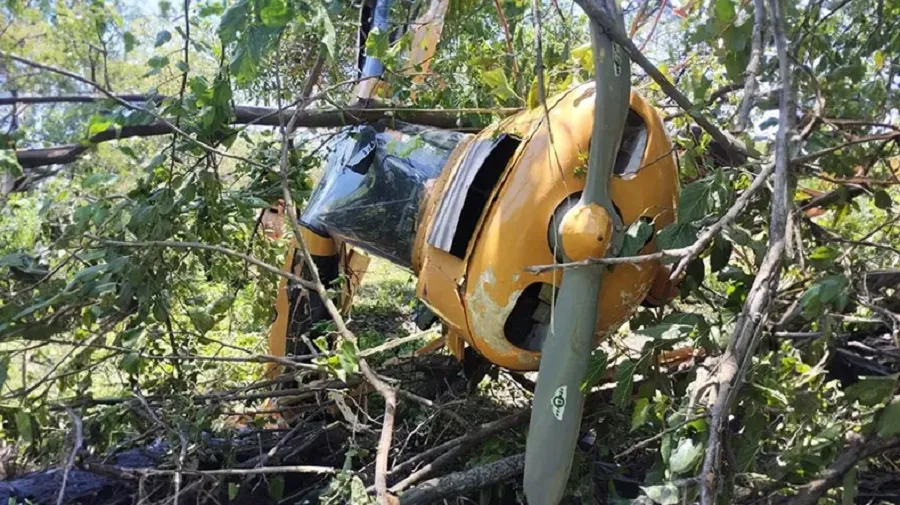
(206, 247)
(460, 483)
(261, 116)
(480, 433)
(810, 493)
(263, 470)
(733, 363)
(127, 105)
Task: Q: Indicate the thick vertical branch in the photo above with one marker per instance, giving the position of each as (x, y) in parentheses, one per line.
(386, 391)
(756, 49)
(736, 358)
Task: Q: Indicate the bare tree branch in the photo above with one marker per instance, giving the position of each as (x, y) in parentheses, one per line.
(261, 116)
(126, 104)
(810, 493)
(459, 483)
(735, 360)
(756, 50)
(386, 391)
(77, 442)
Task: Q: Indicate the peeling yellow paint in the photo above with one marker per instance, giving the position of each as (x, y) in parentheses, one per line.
(489, 317)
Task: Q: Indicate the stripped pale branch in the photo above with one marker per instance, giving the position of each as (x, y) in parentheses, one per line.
(732, 365)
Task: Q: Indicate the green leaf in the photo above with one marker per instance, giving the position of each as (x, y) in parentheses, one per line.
(162, 37)
(496, 80)
(676, 235)
(329, 36)
(9, 164)
(667, 331)
(694, 202)
(98, 124)
(872, 390)
(825, 253)
(377, 44)
(221, 305)
(665, 448)
(624, 384)
(96, 180)
(248, 55)
(234, 21)
(202, 320)
(276, 13)
(879, 59)
(156, 64)
(639, 414)
(583, 55)
(829, 292)
(24, 426)
(883, 200)
(721, 254)
(15, 260)
(685, 456)
(347, 358)
(132, 336)
(724, 11)
(276, 488)
(256, 202)
(595, 370)
(131, 363)
(4, 370)
(233, 488)
(636, 237)
(889, 424)
(130, 41)
(666, 494)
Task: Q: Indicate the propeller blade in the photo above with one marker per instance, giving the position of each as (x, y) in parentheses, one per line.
(558, 400)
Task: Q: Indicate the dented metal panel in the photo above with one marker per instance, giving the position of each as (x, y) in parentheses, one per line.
(454, 199)
(373, 183)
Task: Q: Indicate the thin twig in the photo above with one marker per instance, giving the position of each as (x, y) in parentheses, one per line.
(687, 254)
(207, 247)
(128, 105)
(389, 394)
(430, 404)
(595, 11)
(76, 447)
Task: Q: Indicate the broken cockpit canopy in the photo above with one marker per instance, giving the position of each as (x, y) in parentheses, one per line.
(373, 183)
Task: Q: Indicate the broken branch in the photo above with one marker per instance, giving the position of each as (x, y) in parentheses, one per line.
(595, 11)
